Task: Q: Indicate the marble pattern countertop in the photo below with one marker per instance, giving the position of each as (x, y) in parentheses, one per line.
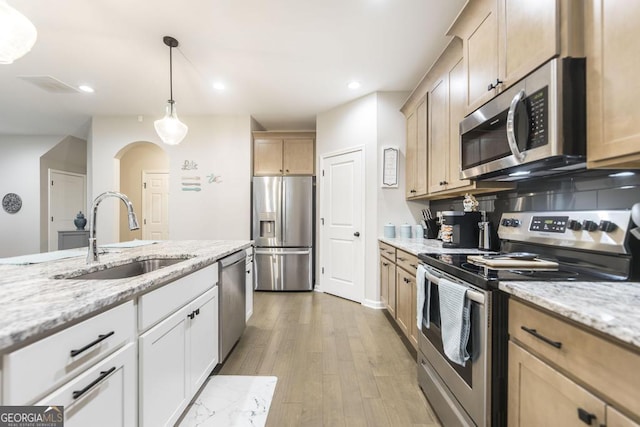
(607, 307)
(34, 303)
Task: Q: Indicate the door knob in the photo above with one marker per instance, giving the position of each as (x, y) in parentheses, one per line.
(357, 234)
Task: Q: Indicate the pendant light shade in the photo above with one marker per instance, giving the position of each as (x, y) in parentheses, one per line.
(17, 34)
(170, 129)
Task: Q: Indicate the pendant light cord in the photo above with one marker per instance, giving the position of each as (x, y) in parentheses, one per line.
(171, 78)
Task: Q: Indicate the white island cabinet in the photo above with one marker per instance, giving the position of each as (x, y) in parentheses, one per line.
(178, 353)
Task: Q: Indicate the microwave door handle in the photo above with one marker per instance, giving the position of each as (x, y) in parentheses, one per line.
(511, 134)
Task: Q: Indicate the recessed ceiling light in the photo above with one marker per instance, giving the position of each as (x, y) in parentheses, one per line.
(218, 86)
(353, 85)
(85, 88)
(521, 173)
(621, 174)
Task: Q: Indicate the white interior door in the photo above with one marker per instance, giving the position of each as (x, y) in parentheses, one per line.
(155, 205)
(67, 196)
(341, 225)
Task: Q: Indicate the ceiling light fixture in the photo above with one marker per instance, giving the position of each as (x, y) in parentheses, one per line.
(353, 85)
(218, 86)
(86, 88)
(170, 129)
(17, 34)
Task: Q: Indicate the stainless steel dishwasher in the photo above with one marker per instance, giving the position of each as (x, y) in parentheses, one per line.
(233, 295)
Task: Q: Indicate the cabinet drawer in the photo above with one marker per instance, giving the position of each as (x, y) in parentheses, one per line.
(387, 251)
(105, 393)
(158, 304)
(600, 364)
(36, 369)
(407, 261)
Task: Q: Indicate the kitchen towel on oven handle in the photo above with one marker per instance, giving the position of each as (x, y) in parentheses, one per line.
(454, 320)
(423, 292)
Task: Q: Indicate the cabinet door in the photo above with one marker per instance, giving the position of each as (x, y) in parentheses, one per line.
(438, 135)
(613, 115)
(411, 154)
(421, 185)
(457, 99)
(541, 396)
(298, 157)
(105, 395)
(384, 281)
(203, 337)
(403, 300)
(413, 323)
(616, 419)
(267, 157)
(530, 36)
(480, 43)
(163, 361)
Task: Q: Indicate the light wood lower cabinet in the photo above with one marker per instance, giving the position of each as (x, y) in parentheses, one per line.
(388, 285)
(562, 374)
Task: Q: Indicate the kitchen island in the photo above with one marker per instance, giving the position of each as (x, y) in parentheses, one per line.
(128, 340)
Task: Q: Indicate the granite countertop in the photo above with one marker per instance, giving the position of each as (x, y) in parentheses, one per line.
(607, 307)
(34, 303)
(417, 246)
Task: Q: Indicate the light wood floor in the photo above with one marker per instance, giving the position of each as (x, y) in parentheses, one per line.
(337, 362)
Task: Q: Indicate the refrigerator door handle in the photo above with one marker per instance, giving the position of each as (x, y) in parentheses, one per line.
(281, 253)
(284, 211)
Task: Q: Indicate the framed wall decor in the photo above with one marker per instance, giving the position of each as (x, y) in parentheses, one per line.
(390, 167)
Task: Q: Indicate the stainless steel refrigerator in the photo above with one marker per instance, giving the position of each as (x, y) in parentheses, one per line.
(283, 214)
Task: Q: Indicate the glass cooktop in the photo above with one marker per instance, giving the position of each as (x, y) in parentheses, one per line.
(487, 277)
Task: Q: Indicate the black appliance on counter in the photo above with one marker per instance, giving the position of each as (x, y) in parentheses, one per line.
(459, 229)
(586, 245)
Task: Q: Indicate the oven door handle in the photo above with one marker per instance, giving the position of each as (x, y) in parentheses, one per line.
(471, 294)
(511, 133)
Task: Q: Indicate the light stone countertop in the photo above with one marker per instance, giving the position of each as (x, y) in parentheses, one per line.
(612, 308)
(34, 304)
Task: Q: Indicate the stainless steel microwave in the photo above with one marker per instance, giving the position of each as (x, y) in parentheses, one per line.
(534, 128)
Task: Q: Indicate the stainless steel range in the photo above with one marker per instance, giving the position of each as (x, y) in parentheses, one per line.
(541, 246)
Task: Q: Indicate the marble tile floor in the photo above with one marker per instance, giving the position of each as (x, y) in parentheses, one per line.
(231, 401)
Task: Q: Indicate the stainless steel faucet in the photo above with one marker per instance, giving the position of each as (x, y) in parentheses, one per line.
(92, 255)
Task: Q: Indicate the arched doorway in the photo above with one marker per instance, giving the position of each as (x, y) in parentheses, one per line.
(144, 178)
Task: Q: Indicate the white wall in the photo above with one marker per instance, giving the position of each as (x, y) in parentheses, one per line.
(372, 122)
(219, 145)
(20, 174)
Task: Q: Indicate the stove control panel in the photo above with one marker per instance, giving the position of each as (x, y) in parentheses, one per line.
(591, 230)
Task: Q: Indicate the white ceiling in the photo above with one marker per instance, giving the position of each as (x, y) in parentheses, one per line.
(282, 61)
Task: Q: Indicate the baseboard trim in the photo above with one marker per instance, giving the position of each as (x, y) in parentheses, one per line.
(378, 305)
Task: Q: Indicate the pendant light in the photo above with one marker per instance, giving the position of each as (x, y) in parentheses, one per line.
(17, 34)
(170, 129)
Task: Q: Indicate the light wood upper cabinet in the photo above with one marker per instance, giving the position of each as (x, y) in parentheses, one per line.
(438, 134)
(504, 40)
(267, 156)
(613, 117)
(283, 153)
(416, 154)
(530, 36)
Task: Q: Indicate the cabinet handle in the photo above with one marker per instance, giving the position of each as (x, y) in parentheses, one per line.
(197, 312)
(556, 344)
(413, 265)
(585, 416)
(390, 252)
(385, 264)
(412, 191)
(103, 374)
(191, 315)
(402, 259)
(494, 86)
(287, 170)
(101, 338)
(280, 170)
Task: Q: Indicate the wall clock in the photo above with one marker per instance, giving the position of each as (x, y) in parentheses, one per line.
(11, 203)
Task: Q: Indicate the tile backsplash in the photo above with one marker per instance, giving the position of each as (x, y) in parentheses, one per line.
(581, 191)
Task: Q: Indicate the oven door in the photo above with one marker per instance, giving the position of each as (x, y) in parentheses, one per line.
(460, 395)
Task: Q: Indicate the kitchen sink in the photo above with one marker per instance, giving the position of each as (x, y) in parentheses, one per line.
(123, 271)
